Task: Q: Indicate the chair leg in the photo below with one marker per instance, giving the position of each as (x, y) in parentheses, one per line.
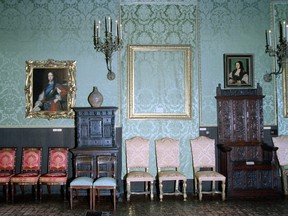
(200, 190)
(12, 192)
(195, 186)
(223, 190)
(151, 191)
(7, 191)
(161, 190)
(284, 181)
(91, 199)
(213, 187)
(128, 191)
(40, 191)
(114, 198)
(71, 196)
(184, 190)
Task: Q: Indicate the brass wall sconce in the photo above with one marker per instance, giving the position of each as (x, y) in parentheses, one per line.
(280, 51)
(108, 44)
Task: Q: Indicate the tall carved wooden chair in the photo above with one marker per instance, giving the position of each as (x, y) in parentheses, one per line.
(167, 157)
(84, 178)
(137, 159)
(203, 156)
(30, 170)
(57, 170)
(7, 167)
(106, 177)
(281, 142)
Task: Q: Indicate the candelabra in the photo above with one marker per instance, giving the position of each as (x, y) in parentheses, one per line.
(108, 44)
(280, 52)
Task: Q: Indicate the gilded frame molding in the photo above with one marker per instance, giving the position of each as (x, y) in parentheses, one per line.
(285, 88)
(63, 100)
(184, 50)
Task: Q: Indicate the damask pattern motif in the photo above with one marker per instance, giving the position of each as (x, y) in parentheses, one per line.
(161, 24)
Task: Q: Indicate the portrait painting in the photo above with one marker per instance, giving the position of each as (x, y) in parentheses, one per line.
(50, 89)
(238, 70)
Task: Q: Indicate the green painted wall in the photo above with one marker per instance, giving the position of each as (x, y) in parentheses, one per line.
(62, 30)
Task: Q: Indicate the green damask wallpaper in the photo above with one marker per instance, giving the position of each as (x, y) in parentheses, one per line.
(63, 29)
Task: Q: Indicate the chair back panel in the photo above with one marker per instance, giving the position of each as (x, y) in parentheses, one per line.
(7, 159)
(203, 152)
(282, 143)
(106, 166)
(31, 159)
(137, 152)
(167, 153)
(58, 159)
(84, 166)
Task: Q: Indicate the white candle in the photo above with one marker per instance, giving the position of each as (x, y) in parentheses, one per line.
(116, 28)
(109, 24)
(287, 33)
(284, 29)
(269, 38)
(99, 28)
(120, 31)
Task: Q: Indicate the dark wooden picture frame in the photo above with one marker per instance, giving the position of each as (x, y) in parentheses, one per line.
(244, 76)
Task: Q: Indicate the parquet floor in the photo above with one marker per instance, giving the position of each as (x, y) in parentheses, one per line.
(54, 205)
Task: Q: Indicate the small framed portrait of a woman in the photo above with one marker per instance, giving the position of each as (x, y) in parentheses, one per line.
(238, 70)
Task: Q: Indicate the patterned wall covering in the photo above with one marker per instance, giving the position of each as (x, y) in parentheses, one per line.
(235, 26)
(51, 29)
(280, 13)
(160, 24)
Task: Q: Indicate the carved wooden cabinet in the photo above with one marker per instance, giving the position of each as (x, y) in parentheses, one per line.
(248, 164)
(96, 133)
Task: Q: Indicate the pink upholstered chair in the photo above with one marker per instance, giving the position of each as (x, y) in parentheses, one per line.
(7, 167)
(57, 170)
(84, 178)
(282, 155)
(167, 156)
(106, 177)
(30, 170)
(137, 159)
(203, 156)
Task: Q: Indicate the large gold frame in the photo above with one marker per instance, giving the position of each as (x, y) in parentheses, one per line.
(68, 68)
(183, 49)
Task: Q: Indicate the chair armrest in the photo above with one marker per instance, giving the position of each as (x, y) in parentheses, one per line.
(224, 148)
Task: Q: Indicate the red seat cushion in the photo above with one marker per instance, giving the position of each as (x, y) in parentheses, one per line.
(25, 177)
(53, 178)
(5, 177)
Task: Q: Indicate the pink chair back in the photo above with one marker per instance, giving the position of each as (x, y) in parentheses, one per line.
(7, 159)
(282, 153)
(31, 159)
(58, 159)
(167, 153)
(137, 152)
(203, 152)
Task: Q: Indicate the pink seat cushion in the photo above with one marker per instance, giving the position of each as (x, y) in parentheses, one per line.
(170, 175)
(209, 176)
(5, 177)
(139, 176)
(53, 178)
(25, 177)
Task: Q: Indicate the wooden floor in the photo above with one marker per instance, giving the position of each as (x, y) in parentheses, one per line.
(54, 205)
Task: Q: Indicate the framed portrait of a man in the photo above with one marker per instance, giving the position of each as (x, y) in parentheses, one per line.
(50, 89)
(238, 70)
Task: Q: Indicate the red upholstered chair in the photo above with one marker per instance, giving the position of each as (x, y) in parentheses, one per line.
(57, 170)
(137, 158)
(30, 170)
(167, 157)
(7, 167)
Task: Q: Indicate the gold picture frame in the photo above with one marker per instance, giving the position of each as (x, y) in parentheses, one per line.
(285, 87)
(50, 88)
(159, 82)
